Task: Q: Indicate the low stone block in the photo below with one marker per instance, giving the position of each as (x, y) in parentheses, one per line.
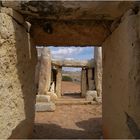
(53, 96)
(91, 95)
(43, 98)
(45, 107)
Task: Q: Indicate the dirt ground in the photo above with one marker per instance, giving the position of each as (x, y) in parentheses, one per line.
(70, 87)
(69, 122)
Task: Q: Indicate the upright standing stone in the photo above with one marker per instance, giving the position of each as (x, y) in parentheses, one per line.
(59, 81)
(45, 72)
(91, 85)
(17, 72)
(121, 81)
(98, 70)
(37, 69)
(83, 82)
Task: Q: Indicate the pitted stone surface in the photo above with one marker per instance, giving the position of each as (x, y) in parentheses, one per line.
(17, 90)
(91, 95)
(98, 70)
(43, 98)
(69, 23)
(42, 107)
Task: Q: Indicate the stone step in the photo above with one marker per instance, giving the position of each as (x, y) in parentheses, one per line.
(72, 102)
(45, 107)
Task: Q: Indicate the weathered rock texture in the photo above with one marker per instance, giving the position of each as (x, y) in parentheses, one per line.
(17, 70)
(59, 81)
(83, 82)
(43, 107)
(42, 98)
(91, 95)
(91, 84)
(74, 63)
(45, 71)
(70, 22)
(98, 69)
(121, 79)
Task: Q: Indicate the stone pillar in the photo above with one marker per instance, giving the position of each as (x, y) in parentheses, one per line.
(98, 70)
(83, 82)
(45, 72)
(58, 81)
(17, 73)
(37, 70)
(91, 85)
(121, 81)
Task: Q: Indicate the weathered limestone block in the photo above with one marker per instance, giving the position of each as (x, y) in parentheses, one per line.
(45, 107)
(15, 15)
(53, 96)
(91, 95)
(17, 89)
(83, 82)
(128, 13)
(37, 71)
(99, 100)
(98, 70)
(74, 63)
(43, 98)
(91, 84)
(45, 72)
(52, 88)
(59, 81)
(90, 74)
(121, 78)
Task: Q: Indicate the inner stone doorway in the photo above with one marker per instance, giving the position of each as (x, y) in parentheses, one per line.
(71, 83)
(74, 117)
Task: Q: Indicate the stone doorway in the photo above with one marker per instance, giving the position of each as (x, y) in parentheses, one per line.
(50, 72)
(114, 25)
(71, 83)
(72, 98)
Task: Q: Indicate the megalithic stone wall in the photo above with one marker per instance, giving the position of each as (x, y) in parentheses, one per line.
(121, 80)
(17, 73)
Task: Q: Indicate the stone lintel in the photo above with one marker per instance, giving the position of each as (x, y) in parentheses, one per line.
(73, 63)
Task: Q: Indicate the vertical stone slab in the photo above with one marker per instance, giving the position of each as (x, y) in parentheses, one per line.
(17, 84)
(91, 85)
(121, 81)
(83, 82)
(37, 71)
(45, 71)
(98, 70)
(59, 81)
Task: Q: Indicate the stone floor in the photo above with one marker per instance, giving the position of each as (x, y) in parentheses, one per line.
(69, 122)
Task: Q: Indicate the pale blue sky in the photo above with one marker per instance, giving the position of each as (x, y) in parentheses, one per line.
(72, 53)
